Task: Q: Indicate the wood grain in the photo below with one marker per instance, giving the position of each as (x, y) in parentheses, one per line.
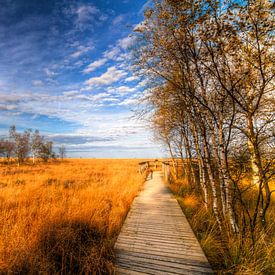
(156, 237)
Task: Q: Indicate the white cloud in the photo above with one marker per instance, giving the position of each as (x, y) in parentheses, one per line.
(103, 17)
(126, 42)
(11, 97)
(143, 83)
(111, 99)
(7, 107)
(123, 89)
(110, 76)
(37, 83)
(79, 63)
(49, 72)
(100, 96)
(71, 93)
(84, 13)
(96, 127)
(80, 51)
(129, 102)
(85, 16)
(131, 78)
(112, 53)
(118, 19)
(94, 65)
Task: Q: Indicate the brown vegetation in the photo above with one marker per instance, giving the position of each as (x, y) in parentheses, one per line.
(64, 217)
(234, 256)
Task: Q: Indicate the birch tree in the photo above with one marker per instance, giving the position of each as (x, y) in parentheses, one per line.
(212, 61)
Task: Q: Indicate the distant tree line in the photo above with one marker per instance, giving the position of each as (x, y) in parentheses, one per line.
(210, 65)
(26, 145)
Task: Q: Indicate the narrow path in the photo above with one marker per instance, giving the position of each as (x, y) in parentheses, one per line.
(156, 237)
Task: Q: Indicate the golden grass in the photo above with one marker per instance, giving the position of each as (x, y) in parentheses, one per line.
(64, 217)
(190, 201)
(232, 255)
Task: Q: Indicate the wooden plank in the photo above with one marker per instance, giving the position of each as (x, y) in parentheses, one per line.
(161, 227)
(160, 244)
(189, 254)
(160, 254)
(123, 271)
(156, 238)
(170, 258)
(158, 269)
(151, 231)
(164, 264)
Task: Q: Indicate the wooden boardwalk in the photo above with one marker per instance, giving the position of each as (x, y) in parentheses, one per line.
(156, 237)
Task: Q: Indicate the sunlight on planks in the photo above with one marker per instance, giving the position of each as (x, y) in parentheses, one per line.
(156, 237)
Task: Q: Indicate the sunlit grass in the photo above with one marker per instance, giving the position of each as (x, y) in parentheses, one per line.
(64, 217)
(227, 254)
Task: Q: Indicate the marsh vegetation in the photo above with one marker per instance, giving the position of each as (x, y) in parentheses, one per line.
(63, 217)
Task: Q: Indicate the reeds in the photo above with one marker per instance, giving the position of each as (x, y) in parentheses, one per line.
(64, 217)
(228, 254)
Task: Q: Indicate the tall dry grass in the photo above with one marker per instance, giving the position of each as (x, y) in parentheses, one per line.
(228, 254)
(64, 217)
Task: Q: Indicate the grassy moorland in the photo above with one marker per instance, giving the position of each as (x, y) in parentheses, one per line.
(64, 217)
(227, 254)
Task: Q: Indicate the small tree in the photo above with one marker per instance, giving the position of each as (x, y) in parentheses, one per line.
(46, 151)
(62, 152)
(36, 144)
(6, 148)
(2, 147)
(21, 144)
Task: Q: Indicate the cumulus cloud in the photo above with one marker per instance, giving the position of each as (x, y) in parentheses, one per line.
(117, 20)
(125, 42)
(103, 17)
(131, 78)
(110, 76)
(84, 16)
(123, 89)
(64, 107)
(80, 51)
(143, 83)
(112, 53)
(94, 65)
(129, 102)
(37, 83)
(7, 107)
(100, 96)
(49, 73)
(71, 93)
(76, 139)
(84, 12)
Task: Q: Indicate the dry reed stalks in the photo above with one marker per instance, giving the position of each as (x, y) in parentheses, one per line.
(64, 217)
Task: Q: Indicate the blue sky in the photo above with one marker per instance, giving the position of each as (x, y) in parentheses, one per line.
(64, 70)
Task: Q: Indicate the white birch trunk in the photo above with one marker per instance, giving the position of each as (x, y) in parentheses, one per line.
(227, 184)
(219, 172)
(213, 186)
(202, 167)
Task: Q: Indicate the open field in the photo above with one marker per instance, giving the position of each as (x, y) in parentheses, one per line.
(64, 217)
